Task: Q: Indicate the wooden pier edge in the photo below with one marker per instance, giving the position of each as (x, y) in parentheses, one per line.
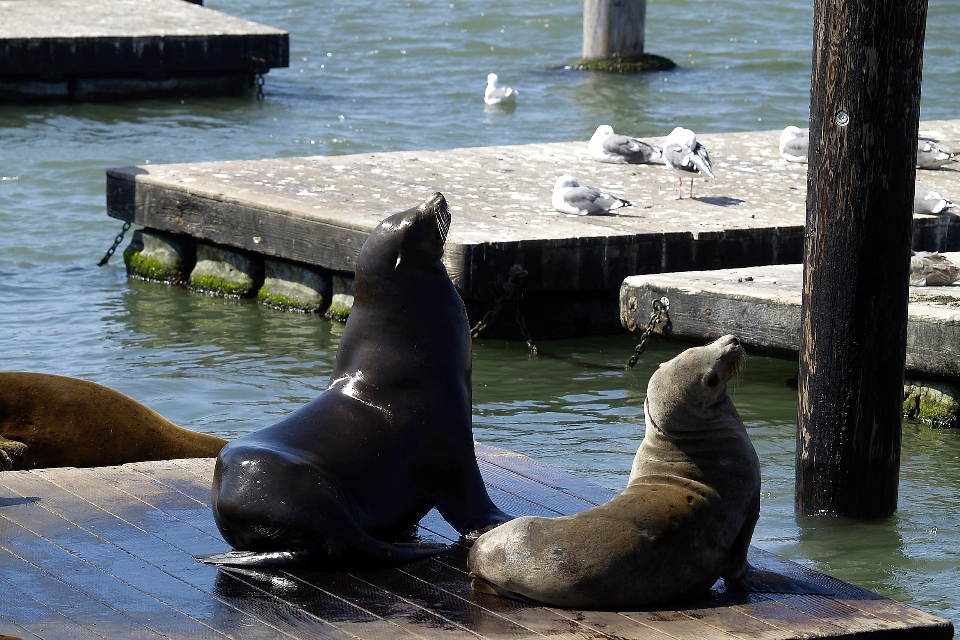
(108, 553)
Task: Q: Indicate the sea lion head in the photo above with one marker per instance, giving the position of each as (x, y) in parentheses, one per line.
(412, 238)
(693, 385)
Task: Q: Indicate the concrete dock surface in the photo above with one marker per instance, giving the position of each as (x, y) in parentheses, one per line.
(761, 305)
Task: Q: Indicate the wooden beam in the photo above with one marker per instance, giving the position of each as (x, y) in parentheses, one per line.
(613, 28)
(864, 115)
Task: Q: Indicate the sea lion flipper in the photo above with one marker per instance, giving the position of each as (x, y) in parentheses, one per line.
(12, 454)
(376, 554)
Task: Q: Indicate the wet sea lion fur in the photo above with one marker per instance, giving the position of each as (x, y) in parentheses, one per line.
(337, 483)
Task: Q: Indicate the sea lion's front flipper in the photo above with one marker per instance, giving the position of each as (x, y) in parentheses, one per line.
(480, 585)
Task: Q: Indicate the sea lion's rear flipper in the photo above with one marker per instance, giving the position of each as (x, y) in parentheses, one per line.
(763, 581)
(378, 554)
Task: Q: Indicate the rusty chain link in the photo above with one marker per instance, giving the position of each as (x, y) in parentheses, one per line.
(660, 309)
(116, 243)
(511, 293)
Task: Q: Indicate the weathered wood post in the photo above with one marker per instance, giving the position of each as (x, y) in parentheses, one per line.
(864, 115)
(613, 28)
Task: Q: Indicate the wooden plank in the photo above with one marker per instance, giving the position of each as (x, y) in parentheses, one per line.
(761, 305)
(172, 577)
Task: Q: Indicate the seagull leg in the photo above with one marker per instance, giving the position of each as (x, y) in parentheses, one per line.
(680, 190)
(691, 187)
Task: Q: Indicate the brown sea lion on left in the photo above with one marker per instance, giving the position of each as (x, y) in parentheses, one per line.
(67, 422)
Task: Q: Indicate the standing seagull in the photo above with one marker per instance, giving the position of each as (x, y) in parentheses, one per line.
(682, 152)
(607, 146)
(570, 197)
(793, 144)
(496, 94)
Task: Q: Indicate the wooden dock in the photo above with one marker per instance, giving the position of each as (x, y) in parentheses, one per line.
(761, 305)
(63, 50)
(318, 211)
(108, 553)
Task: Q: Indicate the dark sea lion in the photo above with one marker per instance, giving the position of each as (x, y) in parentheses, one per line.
(67, 422)
(684, 520)
(334, 484)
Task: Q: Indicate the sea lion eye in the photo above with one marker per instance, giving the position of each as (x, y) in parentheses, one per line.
(713, 380)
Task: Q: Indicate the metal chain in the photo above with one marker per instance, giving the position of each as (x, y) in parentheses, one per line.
(116, 243)
(511, 295)
(660, 309)
(523, 328)
(260, 82)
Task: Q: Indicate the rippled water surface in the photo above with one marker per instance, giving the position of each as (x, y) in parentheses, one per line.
(373, 76)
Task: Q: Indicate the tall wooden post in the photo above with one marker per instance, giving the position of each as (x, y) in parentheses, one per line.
(613, 28)
(864, 115)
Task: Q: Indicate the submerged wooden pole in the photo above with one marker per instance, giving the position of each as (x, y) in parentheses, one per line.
(613, 28)
(864, 117)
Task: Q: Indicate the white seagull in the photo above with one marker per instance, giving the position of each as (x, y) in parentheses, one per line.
(793, 144)
(497, 94)
(926, 200)
(683, 153)
(932, 270)
(930, 155)
(570, 197)
(607, 146)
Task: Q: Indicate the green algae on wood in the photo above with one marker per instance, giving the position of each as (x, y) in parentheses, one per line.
(625, 64)
(293, 287)
(225, 272)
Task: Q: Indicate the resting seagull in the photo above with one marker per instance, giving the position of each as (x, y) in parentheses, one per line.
(932, 270)
(930, 155)
(926, 200)
(793, 144)
(570, 197)
(683, 153)
(496, 94)
(607, 146)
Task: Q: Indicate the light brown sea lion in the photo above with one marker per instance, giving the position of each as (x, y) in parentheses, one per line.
(337, 482)
(67, 422)
(684, 520)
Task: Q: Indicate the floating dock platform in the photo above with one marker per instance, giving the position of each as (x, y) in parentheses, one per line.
(761, 305)
(109, 553)
(318, 211)
(77, 50)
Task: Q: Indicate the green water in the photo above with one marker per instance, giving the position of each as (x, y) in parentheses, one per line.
(367, 77)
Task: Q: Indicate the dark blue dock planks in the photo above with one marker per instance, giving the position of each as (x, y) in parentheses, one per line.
(108, 553)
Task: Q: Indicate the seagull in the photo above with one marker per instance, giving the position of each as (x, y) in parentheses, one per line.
(570, 197)
(607, 146)
(932, 270)
(496, 94)
(793, 144)
(930, 155)
(926, 200)
(682, 152)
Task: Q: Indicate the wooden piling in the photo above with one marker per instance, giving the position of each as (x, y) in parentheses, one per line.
(613, 28)
(864, 115)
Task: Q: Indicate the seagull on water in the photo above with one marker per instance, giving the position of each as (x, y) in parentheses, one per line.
(683, 153)
(793, 144)
(926, 200)
(497, 94)
(930, 155)
(570, 197)
(932, 270)
(607, 146)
